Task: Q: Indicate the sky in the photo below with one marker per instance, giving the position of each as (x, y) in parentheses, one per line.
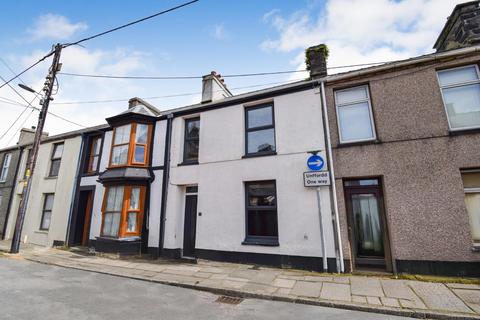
(230, 37)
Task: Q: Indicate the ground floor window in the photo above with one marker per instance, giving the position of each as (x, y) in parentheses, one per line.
(471, 184)
(123, 208)
(261, 213)
(47, 211)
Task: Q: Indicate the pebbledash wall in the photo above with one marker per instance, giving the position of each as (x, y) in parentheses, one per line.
(418, 160)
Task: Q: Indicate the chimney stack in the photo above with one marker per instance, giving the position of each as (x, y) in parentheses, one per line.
(462, 28)
(316, 60)
(27, 135)
(214, 88)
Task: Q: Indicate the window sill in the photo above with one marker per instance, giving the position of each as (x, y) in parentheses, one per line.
(41, 231)
(476, 247)
(358, 143)
(188, 163)
(459, 132)
(50, 178)
(261, 241)
(259, 154)
(90, 174)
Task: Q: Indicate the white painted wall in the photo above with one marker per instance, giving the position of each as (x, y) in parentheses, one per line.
(62, 186)
(222, 172)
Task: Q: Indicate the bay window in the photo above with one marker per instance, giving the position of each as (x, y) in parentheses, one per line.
(123, 211)
(130, 146)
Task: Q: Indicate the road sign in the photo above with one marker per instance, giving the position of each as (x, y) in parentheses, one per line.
(316, 179)
(315, 162)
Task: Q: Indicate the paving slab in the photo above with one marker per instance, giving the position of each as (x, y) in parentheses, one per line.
(341, 279)
(366, 286)
(438, 297)
(470, 297)
(397, 289)
(259, 288)
(374, 301)
(390, 302)
(283, 283)
(318, 278)
(463, 286)
(307, 289)
(264, 277)
(359, 299)
(336, 291)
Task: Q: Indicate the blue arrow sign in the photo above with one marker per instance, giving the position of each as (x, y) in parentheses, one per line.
(315, 162)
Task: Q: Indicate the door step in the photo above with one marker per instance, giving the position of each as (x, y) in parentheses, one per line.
(189, 259)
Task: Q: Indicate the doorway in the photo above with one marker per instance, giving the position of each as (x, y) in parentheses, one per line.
(367, 225)
(81, 225)
(190, 222)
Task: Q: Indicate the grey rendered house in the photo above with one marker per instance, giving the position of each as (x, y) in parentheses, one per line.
(10, 160)
(406, 151)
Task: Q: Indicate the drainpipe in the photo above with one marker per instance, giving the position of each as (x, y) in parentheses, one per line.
(165, 181)
(332, 177)
(75, 188)
(12, 192)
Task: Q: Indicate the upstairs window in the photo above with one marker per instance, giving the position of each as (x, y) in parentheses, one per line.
(261, 213)
(130, 145)
(354, 114)
(123, 211)
(5, 166)
(461, 97)
(191, 141)
(56, 159)
(94, 154)
(259, 130)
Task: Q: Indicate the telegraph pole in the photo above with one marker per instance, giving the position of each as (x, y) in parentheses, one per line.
(48, 87)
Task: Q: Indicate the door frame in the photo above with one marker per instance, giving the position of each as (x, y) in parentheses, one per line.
(74, 220)
(194, 216)
(378, 191)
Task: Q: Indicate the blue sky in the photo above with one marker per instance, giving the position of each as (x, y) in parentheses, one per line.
(227, 36)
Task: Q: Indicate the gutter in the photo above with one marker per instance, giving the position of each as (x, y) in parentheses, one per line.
(165, 182)
(404, 63)
(73, 201)
(12, 191)
(335, 218)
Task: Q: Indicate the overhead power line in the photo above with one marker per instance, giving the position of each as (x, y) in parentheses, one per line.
(185, 94)
(239, 75)
(25, 70)
(130, 24)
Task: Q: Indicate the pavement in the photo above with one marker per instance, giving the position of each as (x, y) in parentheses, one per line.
(383, 295)
(35, 291)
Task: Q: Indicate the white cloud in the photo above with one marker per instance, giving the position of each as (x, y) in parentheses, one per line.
(358, 31)
(219, 32)
(54, 27)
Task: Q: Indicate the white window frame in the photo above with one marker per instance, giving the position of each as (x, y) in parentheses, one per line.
(460, 84)
(4, 171)
(372, 122)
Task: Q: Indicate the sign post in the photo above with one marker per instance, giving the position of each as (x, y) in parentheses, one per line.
(317, 178)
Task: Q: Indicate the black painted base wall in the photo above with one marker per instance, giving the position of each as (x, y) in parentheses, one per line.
(115, 246)
(439, 268)
(273, 260)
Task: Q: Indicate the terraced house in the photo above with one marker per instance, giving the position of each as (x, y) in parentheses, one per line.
(224, 179)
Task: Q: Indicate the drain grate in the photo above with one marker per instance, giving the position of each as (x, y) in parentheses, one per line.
(229, 300)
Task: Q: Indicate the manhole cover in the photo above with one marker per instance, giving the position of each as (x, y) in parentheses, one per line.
(229, 300)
